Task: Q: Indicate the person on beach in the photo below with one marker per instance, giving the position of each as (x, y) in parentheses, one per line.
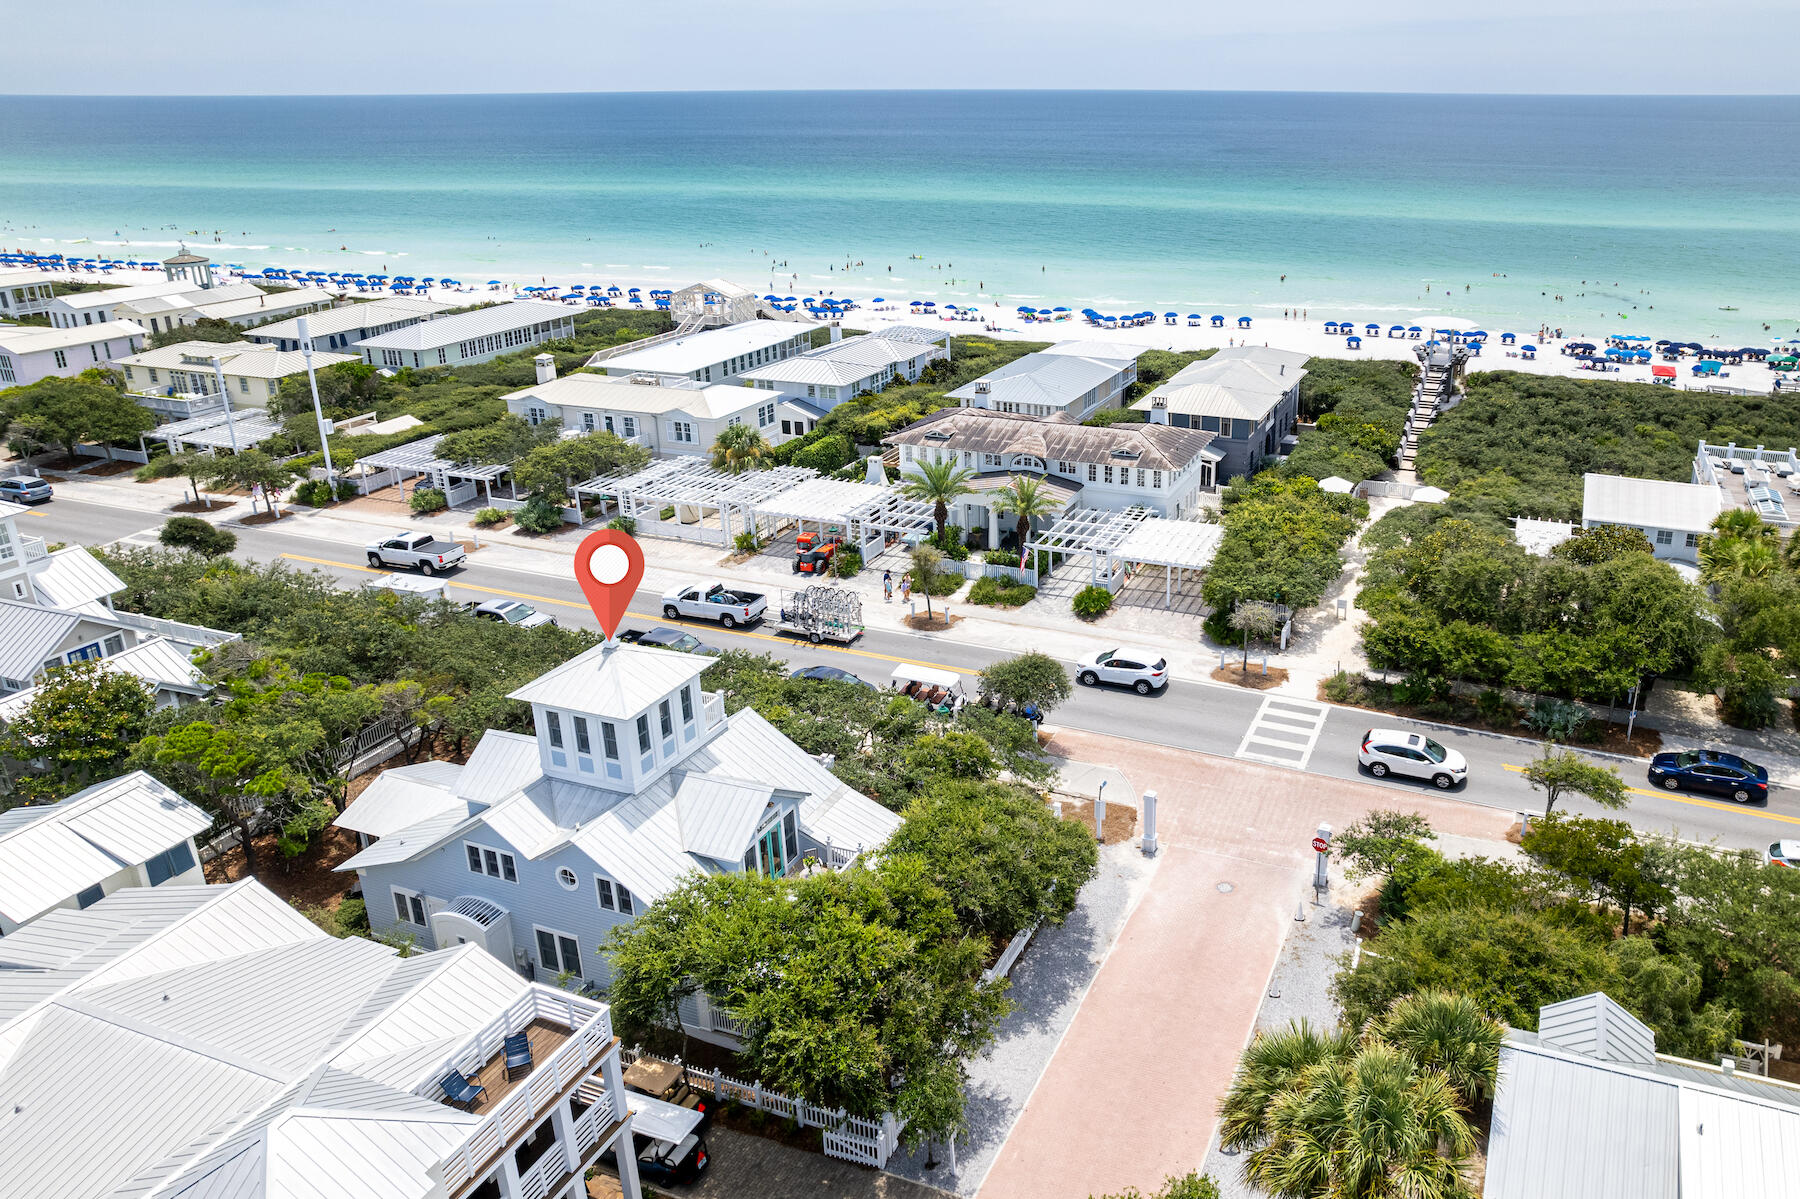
(887, 586)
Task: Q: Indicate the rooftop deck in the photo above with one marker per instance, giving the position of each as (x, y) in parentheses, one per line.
(546, 1036)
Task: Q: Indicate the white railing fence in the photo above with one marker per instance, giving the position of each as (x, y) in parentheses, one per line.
(461, 493)
(852, 1138)
(386, 729)
(515, 1115)
(174, 630)
(99, 451)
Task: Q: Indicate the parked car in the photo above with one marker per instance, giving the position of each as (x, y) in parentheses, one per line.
(1784, 853)
(1126, 668)
(26, 489)
(416, 551)
(1414, 755)
(1710, 772)
(714, 601)
(513, 612)
(831, 674)
(663, 637)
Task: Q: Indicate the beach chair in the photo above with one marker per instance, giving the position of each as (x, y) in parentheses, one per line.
(518, 1054)
(460, 1090)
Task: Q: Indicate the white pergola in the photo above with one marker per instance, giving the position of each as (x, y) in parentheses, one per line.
(892, 517)
(421, 458)
(695, 490)
(1096, 532)
(823, 502)
(1177, 546)
(214, 432)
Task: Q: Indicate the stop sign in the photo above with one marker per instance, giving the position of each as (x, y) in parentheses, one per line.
(1321, 845)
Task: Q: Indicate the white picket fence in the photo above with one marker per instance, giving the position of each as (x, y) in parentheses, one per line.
(975, 568)
(1009, 957)
(852, 1138)
(100, 451)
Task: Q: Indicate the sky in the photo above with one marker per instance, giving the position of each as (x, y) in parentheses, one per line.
(251, 47)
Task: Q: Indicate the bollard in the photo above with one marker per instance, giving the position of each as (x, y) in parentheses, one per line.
(1355, 921)
(1100, 813)
(1150, 824)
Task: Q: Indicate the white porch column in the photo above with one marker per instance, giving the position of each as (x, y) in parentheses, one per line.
(993, 514)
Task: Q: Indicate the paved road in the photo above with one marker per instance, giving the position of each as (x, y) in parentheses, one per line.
(1212, 718)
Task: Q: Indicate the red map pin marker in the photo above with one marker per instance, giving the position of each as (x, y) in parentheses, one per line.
(608, 565)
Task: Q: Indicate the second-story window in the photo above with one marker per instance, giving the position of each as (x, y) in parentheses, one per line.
(609, 740)
(687, 706)
(643, 730)
(667, 717)
(553, 725)
(582, 744)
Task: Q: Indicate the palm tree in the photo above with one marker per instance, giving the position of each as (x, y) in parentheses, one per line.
(1743, 524)
(1725, 556)
(1273, 1065)
(1028, 499)
(739, 448)
(939, 484)
(1449, 1033)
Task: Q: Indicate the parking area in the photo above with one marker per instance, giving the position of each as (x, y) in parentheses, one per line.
(744, 1165)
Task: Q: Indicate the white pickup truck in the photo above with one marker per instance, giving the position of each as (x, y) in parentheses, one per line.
(416, 551)
(714, 601)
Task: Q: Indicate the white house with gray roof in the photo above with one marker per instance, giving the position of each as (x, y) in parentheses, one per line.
(469, 337)
(1076, 381)
(633, 779)
(1586, 1108)
(127, 832)
(210, 1042)
(342, 328)
(1249, 396)
(31, 352)
(843, 369)
(1674, 516)
(712, 355)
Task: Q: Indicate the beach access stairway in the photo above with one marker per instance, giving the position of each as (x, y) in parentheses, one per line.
(1430, 397)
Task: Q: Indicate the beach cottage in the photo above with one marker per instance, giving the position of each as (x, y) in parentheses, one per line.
(24, 293)
(179, 381)
(1674, 516)
(632, 778)
(840, 370)
(1076, 379)
(1248, 395)
(1116, 467)
(31, 352)
(469, 337)
(241, 304)
(342, 328)
(711, 355)
(666, 414)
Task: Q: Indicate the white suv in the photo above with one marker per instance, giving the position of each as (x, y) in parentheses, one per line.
(1390, 751)
(1127, 668)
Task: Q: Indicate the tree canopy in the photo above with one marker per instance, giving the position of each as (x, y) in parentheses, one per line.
(75, 730)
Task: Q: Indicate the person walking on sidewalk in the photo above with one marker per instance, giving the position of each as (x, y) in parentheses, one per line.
(887, 586)
(906, 588)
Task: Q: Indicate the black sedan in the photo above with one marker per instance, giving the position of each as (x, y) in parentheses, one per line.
(830, 674)
(663, 637)
(1712, 773)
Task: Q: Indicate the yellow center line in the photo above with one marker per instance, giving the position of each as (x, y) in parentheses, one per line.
(655, 617)
(1691, 801)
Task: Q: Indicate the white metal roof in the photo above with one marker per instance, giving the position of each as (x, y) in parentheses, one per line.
(1104, 351)
(35, 339)
(72, 576)
(464, 326)
(1053, 379)
(159, 662)
(108, 296)
(1595, 1026)
(840, 362)
(251, 359)
(707, 348)
(653, 396)
(398, 799)
(350, 318)
(87, 838)
(717, 814)
(617, 681)
(1649, 503)
(28, 634)
(1208, 399)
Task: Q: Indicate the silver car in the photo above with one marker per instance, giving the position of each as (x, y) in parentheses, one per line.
(1412, 755)
(26, 489)
(1124, 668)
(513, 612)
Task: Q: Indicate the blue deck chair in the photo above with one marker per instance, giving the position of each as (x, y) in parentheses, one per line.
(461, 1091)
(518, 1054)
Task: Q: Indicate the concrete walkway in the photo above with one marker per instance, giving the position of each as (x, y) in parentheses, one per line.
(1132, 1093)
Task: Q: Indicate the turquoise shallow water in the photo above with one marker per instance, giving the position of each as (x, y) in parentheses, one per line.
(1663, 210)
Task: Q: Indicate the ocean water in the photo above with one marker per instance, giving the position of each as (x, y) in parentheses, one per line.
(1653, 214)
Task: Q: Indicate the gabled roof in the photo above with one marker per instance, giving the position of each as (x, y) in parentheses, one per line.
(158, 662)
(250, 359)
(1655, 503)
(69, 846)
(400, 796)
(72, 576)
(613, 681)
(1057, 437)
(35, 339)
(708, 347)
(1208, 399)
(1053, 379)
(718, 814)
(464, 326)
(28, 634)
(659, 395)
(350, 318)
(841, 362)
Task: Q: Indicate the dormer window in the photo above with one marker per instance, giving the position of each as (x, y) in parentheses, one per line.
(643, 734)
(553, 725)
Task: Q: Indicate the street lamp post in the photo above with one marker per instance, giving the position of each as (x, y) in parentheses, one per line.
(312, 381)
(225, 395)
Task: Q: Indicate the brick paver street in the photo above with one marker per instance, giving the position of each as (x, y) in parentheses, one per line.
(1132, 1093)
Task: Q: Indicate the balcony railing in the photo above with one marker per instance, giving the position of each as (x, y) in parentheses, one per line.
(179, 405)
(713, 705)
(521, 1109)
(33, 548)
(175, 630)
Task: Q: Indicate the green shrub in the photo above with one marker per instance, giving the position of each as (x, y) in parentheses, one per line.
(1557, 719)
(945, 583)
(428, 499)
(1495, 708)
(1412, 690)
(539, 515)
(316, 493)
(1344, 688)
(827, 454)
(487, 517)
(192, 533)
(1000, 558)
(747, 542)
(1092, 602)
(950, 543)
(625, 524)
(1001, 593)
(160, 467)
(846, 564)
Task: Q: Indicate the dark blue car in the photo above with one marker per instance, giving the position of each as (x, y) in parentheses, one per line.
(1712, 773)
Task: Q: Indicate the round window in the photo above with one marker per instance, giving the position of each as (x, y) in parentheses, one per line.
(566, 877)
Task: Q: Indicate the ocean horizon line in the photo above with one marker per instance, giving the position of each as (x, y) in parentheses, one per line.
(901, 91)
